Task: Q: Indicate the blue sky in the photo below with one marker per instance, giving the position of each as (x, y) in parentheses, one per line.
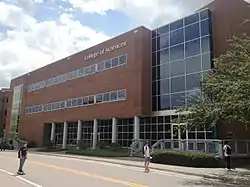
(34, 33)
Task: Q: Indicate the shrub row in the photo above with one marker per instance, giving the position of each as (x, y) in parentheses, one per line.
(187, 158)
(97, 153)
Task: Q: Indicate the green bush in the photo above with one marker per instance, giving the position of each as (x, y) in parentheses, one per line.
(187, 158)
(82, 145)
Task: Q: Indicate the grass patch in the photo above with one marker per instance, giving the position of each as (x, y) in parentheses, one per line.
(98, 153)
(50, 150)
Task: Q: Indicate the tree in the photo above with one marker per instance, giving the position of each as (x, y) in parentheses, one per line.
(226, 91)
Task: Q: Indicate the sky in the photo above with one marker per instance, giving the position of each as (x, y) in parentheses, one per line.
(34, 33)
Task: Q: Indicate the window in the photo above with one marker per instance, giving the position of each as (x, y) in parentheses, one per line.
(163, 86)
(205, 44)
(163, 30)
(99, 98)
(69, 103)
(106, 97)
(74, 102)
(114, 96)
(177, 52)
(49, 107)
(205, 29)
(122, 59)
(177, 100)
(85, 100)
(154, 47)
(193, 81)
(164, 102)
(192, 32)
(121, 94)
(115, 62)
(92, 69)
(108, 64)
(86, 71)
(177, 84)
(153, 33)
(176, 37)
(45, 107)
(192, 48)
(100, 66)
(81, 72)
(163, 41)
(62, 104)
(206, 61)
(193, 64)
(73, 74)
(79, 102)
(177, 68)
(176, 25)
(191, 19)
(163, 56)
(163, 71)
(40, 108)
(204, 14)
(91, 99)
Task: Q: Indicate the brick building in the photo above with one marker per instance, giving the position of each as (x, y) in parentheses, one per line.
(127, 87)
(4, 99)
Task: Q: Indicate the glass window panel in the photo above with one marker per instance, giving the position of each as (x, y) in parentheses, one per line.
(154, 103)
(191, 19)
(40, 108)
(69, 103)
(178, 84)
(49, 107)
(192, 48)
(205, 44)
(93, 68)
(163, 71)
(62, 104)
(176, 37)
(85, 100)
(154, 73)
(164, 102)
(163, 56)
(177, 100)
(177, 68)
(163, 30)
(177, 52)
(193, 64)
(193, 96)
(153, 33)
(176, 25)
(193, 81)
(45, 107)
(121, 94)
(100, 66)
(206, 61)
(86, 71)
(108, 64)
(80, 72)
(153, 59)
(192, 32)
(163, 86)
(204, 14)
(74, 102)
(123, 59)
(114, 96)
(163, 41)
(91, 99)
(205, 30)
(154, 88)
(154, 45)
(99, 98)
(79, 102)
(115, 62)
(106, 97)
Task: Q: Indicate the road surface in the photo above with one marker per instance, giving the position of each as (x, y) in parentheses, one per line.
(51, 171)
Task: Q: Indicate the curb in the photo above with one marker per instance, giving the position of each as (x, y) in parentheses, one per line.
(125, 164)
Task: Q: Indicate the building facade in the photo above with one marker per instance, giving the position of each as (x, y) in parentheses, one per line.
(126, 88)
(4, 100)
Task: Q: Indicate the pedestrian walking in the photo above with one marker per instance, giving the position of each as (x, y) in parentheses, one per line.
(227, 155)
(22, 155)
(147, 157)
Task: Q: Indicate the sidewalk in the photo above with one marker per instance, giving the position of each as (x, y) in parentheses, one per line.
(211, 173)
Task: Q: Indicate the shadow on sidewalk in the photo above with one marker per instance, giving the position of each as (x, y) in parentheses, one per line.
(225, 179)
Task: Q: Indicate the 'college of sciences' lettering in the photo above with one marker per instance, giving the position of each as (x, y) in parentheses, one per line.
(109, 49)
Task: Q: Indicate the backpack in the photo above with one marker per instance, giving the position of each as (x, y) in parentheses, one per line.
(228, 150)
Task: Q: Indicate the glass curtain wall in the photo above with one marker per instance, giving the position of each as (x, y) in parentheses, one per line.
(125, 132)
(181, 54)
(105, 131)
(72, 133)
(87, 132)
(15, 110)
(59, 133)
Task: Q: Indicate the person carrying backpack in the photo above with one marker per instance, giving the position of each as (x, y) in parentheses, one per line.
(22, 155)
(227, 155)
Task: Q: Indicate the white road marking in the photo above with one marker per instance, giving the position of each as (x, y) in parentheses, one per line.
(21, 178)
(134, 168)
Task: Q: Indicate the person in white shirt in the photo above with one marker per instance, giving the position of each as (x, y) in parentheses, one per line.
(227, 155)
(147, 157)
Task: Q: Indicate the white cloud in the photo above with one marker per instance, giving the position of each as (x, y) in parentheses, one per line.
(151, 13)
(31, 44)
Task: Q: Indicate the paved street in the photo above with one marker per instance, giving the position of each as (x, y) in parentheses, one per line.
(51, 171)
